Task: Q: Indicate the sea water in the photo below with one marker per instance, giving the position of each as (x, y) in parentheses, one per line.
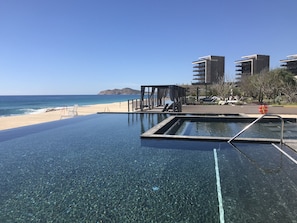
(18, 105)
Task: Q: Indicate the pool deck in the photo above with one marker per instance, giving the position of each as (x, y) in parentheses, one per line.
(238, 109)
(242, 110)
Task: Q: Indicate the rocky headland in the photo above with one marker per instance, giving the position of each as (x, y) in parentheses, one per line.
(123, 91)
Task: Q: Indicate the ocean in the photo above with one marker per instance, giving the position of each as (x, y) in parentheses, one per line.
(18, 105)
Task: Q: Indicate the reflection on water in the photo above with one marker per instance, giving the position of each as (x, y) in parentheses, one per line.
(257, 181)
(259, 161)
(147, 120)
(222, 129)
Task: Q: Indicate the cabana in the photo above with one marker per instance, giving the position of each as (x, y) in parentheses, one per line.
(160, 96)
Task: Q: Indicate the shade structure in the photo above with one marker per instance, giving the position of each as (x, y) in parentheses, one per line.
(158, 95)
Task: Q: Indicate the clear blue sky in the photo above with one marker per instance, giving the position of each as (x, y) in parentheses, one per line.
(84, 46)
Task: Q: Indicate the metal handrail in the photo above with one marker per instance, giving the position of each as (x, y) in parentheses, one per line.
(261, 117)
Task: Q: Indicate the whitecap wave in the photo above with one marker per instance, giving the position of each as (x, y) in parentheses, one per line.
(27, 111)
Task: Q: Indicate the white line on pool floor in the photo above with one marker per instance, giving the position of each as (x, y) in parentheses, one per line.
(220, 199)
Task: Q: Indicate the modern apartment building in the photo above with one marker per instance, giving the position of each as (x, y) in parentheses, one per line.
(252, 64)
(290, 63)
(208, 69)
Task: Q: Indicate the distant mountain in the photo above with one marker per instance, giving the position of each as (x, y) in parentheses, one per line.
(124, 91)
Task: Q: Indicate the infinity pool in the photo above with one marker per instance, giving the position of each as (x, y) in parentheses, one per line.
(98, 169)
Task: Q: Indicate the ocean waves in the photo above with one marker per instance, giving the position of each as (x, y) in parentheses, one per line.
(21, 105)
(26, 111)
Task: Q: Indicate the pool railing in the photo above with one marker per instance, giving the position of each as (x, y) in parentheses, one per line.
(258, 119)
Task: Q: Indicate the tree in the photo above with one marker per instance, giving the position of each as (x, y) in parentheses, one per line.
(253, 86)
(222, 88)
(270, 85)
(247, 87)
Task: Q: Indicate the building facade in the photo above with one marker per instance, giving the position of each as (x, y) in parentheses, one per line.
(290, 63)
(208, 69)
(252, 64)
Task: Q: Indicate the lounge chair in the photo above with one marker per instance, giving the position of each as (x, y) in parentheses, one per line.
(69, 112)
(165, 108)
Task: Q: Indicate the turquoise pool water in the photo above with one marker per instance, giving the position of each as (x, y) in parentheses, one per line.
(98, 169)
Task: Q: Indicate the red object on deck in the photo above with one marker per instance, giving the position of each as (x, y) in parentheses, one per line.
(263, 109)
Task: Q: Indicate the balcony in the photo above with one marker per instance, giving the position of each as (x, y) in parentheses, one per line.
(199, 71)
(199, 66)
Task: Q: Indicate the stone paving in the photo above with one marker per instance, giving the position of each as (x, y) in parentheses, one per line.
(237, 109)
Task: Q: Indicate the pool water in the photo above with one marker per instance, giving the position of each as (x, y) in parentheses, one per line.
(225, 129)
(98, 169)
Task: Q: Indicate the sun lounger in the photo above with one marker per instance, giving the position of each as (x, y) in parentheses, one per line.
(69, 112)
(165, 107)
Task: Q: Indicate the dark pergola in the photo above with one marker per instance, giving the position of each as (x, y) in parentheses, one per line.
(157, 95)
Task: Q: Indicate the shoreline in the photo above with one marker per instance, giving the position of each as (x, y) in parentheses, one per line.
(9, 122)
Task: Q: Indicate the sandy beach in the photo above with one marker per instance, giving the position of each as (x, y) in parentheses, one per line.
(31, 119)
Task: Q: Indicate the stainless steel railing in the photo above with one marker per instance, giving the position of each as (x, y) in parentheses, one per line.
(258, 119)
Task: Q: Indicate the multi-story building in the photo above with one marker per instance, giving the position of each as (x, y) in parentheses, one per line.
(208, 69)
(290, 63)
(252, 64)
